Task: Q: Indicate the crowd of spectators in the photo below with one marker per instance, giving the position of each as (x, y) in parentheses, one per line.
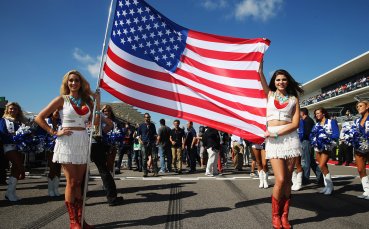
(340, 89)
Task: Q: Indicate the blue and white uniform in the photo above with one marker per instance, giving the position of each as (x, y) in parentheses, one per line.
(364, 131)
(331, 130)
(8, 129)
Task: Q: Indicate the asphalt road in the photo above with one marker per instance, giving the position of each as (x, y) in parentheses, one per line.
(232, 200)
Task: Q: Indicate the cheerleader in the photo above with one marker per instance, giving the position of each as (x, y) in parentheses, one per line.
(282, 144)
(262, 164)
(362, 151)
(72, 143)
(107, 110)
(54, 168)
(10, 122)
(323, 138)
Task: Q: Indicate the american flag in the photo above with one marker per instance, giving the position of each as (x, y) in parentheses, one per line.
(155, 64)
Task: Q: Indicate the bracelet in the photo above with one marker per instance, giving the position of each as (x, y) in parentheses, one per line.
(53, 132)
(276, 135)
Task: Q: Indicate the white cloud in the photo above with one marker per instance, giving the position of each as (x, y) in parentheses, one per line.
(91, 64)
(257, 9)
(214, 4)
(241, 9)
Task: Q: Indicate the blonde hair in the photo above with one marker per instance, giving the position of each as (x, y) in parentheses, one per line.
(109, 108)
(363, 101)
(84, 92)
(20, 116)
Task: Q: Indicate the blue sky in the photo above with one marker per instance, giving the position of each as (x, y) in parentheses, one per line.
(41, 40)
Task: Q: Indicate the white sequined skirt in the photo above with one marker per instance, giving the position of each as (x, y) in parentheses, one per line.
(285, 146)
(72, 149)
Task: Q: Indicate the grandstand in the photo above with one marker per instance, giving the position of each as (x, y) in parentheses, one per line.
(339, 89)
(126, 113)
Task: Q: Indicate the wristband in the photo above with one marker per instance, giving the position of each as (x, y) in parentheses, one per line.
(276, 135)
(53, 132)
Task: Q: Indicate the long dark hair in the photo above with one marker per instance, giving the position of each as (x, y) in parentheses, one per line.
(293, 87)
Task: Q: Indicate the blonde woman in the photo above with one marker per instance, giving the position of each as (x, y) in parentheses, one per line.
(12, 119)
(72, 143)
(362, 152)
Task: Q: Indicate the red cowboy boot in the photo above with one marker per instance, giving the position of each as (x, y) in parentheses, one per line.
(285, 207)
(276, 217)
(79, 205)
(73, 218)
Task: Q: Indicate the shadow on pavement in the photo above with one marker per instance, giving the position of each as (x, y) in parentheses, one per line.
(163, 219)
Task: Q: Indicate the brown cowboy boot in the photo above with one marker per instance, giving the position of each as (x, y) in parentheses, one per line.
(79, 205)
(73, 218)
(276, 217)
(285, 207)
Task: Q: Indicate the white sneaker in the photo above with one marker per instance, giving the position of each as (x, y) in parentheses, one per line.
(209, 174)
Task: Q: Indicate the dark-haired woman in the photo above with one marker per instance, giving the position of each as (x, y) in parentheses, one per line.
(107, 111)
(329, 128)
(282, 144)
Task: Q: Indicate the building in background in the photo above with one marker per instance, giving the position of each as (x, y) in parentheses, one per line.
(338, 89)
(126, 113)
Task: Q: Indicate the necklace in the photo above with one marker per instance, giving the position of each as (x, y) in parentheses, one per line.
(281, 99)
(76, 102)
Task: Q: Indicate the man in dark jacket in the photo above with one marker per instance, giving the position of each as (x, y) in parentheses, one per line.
(211, 140)
(177, 139)
(147, 136)
(164, 147)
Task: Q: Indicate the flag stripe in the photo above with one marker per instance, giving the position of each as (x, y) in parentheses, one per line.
(134, 66)
(229, 128)
(232, 65)
(168, 95)
(183, 107)
(238, 74)
(242, 83)
(224, 55)
(161, 88)
(250, 92)
(158, 65)
(224, 39)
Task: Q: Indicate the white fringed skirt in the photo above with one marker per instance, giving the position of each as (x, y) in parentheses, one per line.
(285, 146)
(72, 149)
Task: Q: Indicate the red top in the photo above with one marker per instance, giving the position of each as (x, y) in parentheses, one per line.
(80, 110)
(278, 105)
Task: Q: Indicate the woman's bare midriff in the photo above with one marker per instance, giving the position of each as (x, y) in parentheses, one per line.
(74, 128)
(277, 123)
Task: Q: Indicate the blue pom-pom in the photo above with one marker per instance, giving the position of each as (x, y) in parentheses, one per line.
(26, 141)
(114, 137)
(320, 138)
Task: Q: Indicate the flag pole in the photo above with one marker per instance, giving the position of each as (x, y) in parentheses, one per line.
(94, 113)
